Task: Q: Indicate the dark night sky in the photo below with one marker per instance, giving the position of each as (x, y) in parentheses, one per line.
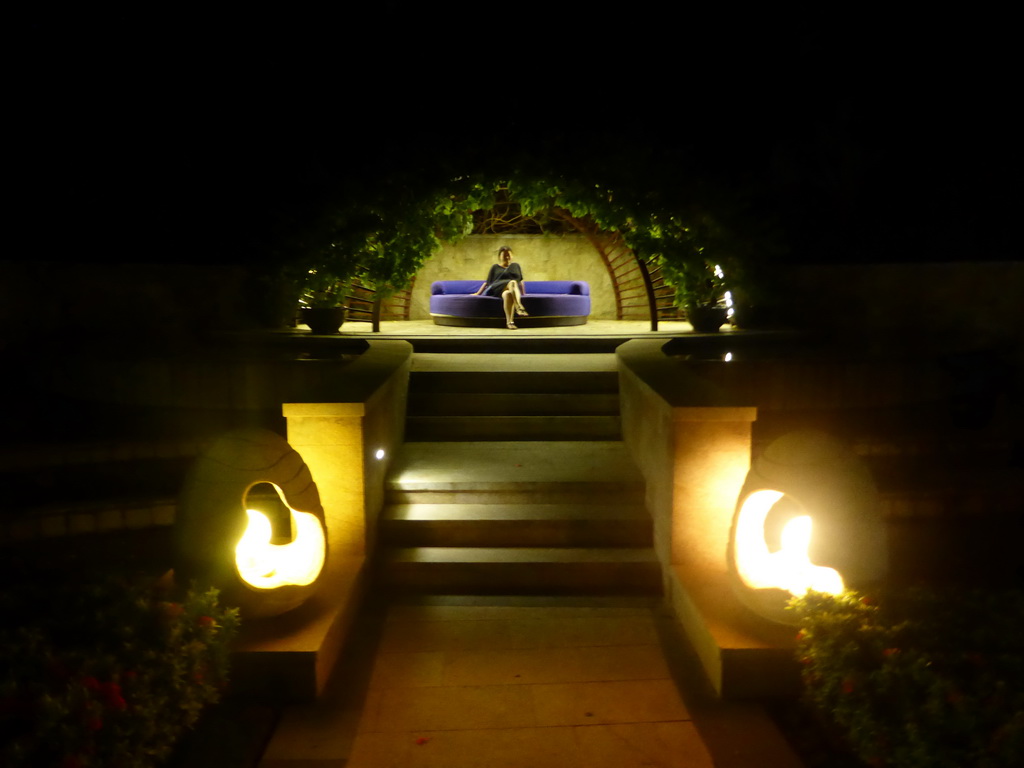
(160, 139)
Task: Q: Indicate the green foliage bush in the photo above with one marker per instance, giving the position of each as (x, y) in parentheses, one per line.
(918, 679)
(386, 233)
(107, 672)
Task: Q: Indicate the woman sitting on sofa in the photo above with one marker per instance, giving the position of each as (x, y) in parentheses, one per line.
(506, 280)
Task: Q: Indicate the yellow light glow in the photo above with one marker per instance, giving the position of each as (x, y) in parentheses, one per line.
(263, 564)
(789, 568)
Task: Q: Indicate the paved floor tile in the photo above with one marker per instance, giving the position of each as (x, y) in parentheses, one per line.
(489, 748)
(642, 745)
(424, 636)
(498, 686)
(421, 636)
(628, 701)
(313, 733)
(407, 670)
(620, 662)
(554, 665)
(583, 631)
(451, 708)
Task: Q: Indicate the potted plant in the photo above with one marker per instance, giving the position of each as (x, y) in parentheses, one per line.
(700, 292)
(321, 306)
(682, 249)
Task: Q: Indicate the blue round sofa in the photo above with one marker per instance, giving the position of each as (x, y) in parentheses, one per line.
(548, 302)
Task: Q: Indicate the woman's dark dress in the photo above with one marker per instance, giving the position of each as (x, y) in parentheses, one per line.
(500, 276)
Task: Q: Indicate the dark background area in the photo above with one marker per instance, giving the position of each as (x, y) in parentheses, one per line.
(201, 140)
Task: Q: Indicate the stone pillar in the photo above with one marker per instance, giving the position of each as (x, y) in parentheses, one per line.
(329, 437)
(711, 461)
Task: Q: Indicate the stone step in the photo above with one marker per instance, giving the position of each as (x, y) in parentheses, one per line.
(521, 472)
(516, 525)
(501, 404)
(554, 494)
(509, 570)
(514, 382)
(506, 466)
(497, 427)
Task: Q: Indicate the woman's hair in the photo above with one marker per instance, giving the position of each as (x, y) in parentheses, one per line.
(503, 249)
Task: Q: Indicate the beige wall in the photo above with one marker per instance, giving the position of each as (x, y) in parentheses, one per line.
(542, 257)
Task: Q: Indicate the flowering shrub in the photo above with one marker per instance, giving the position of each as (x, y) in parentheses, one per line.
(918, 679)
(106, 673)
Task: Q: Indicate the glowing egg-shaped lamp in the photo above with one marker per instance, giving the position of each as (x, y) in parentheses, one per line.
(250, 523)
(807, 518)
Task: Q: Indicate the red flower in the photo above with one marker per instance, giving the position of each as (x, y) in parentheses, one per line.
(205, 622)
(113, 698)
(92, 684)
(171, 611)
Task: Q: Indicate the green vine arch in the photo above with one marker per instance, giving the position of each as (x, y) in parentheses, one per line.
(386, 237)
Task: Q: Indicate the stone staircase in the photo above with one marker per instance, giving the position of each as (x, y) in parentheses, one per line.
(513, 405)
(515, 482)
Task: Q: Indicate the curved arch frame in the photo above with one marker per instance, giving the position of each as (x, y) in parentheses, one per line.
(640, 293)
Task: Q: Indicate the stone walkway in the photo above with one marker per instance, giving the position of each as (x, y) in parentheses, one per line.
(509, 683)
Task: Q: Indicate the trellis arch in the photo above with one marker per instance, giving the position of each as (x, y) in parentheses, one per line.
(640, 290)
(385, 237)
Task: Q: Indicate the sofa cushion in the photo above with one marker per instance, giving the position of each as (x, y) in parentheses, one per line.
(448, 287)
(567, 287)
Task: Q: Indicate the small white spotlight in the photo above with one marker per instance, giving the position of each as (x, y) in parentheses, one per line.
(728, 357)
(379, 454)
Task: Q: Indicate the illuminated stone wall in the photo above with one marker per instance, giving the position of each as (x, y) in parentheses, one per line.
(542, 257)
